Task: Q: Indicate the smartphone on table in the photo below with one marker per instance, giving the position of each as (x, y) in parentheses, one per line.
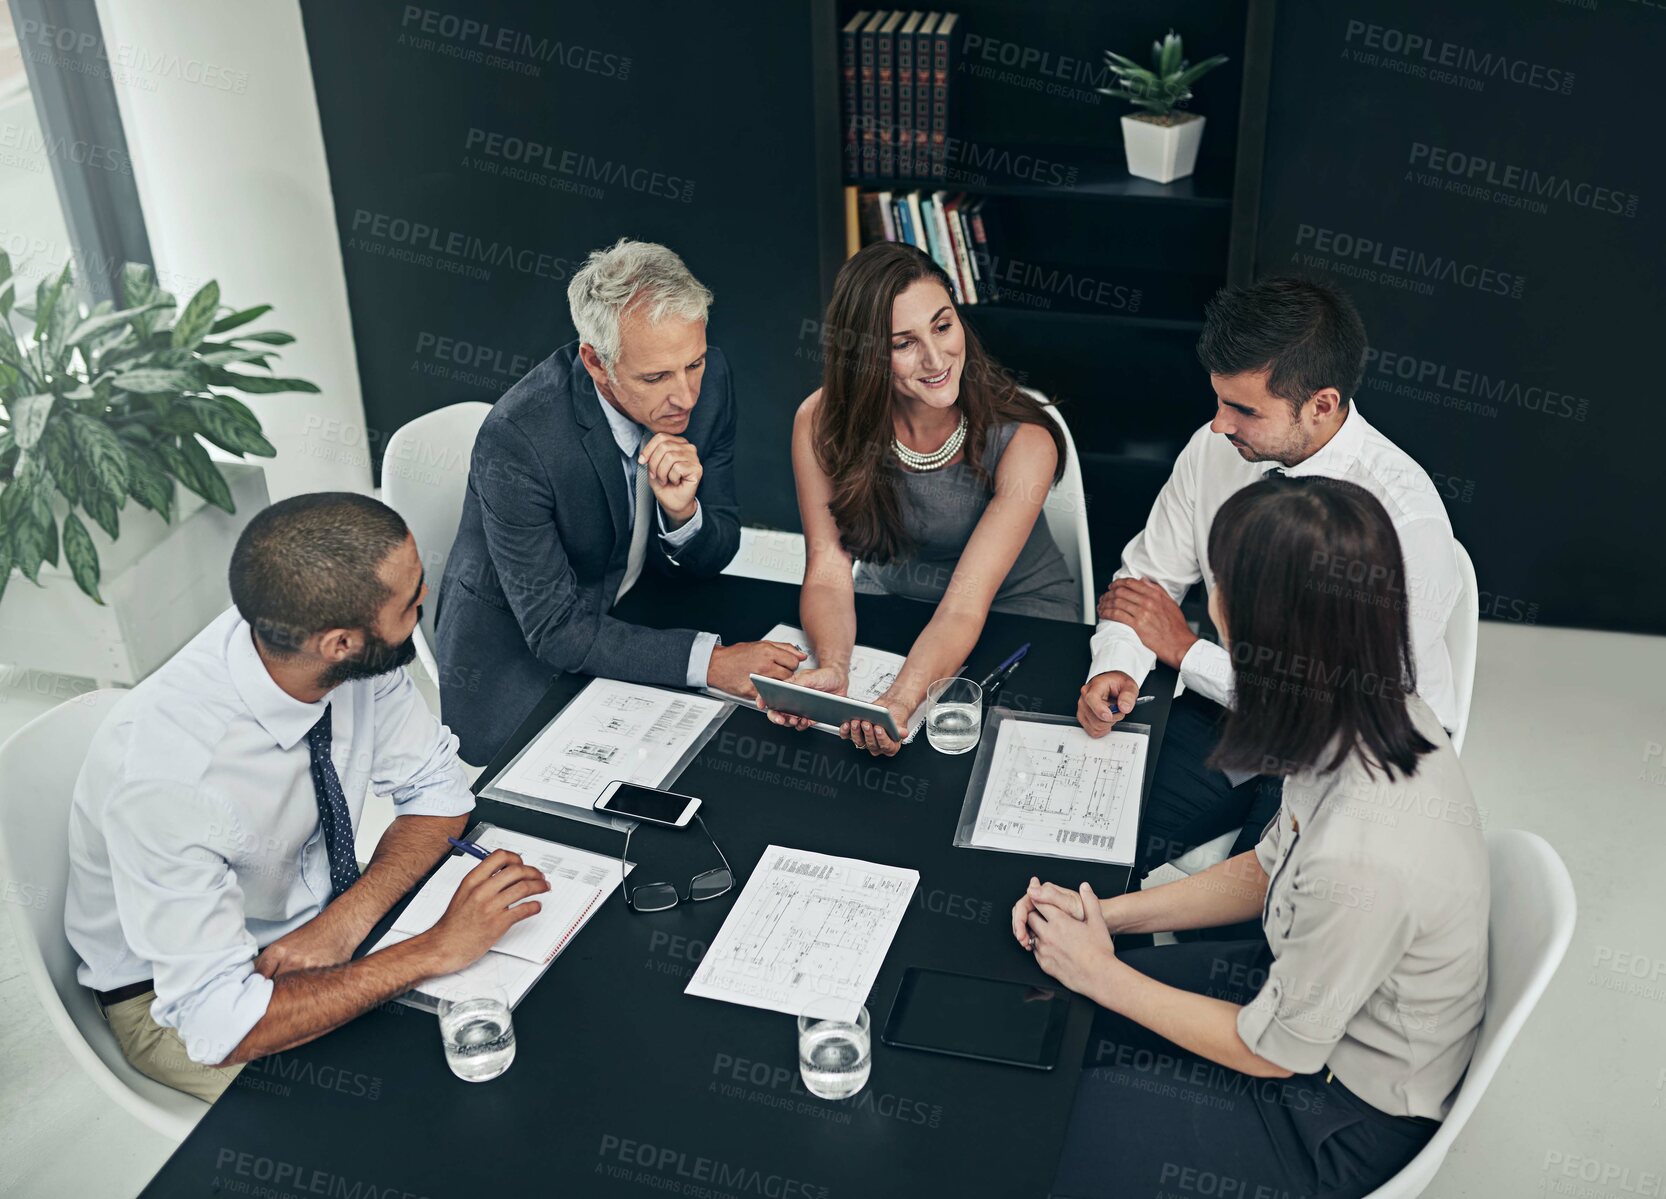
(636, 802)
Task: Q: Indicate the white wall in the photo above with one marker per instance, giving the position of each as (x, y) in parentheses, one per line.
(221, 121)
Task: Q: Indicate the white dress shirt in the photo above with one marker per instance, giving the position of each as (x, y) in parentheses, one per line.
(1172, 551)
(630, 437)
(194, 836)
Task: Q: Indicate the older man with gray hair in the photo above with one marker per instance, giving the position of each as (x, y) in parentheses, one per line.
(612, 457)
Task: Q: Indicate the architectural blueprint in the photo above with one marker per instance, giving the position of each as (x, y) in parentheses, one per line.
(1051, 789)
(611, 730)
(806, 925)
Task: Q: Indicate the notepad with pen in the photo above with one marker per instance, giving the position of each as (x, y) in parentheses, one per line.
(579, 882)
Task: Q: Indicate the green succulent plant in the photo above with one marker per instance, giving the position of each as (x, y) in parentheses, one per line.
(1168, 82)
(107, 405)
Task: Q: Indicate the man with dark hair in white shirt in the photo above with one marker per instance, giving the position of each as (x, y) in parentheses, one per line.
(1284, 356)
(214, 898)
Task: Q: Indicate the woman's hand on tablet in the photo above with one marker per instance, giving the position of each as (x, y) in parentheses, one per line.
(831, 679)
(864, 734)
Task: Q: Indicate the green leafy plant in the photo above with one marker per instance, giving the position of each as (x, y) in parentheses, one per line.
(1167, 85)
(107, 405)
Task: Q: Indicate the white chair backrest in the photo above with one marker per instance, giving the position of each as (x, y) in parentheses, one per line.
(1199, 858)
(1066, 511)
(1463, 632)
(1530, 925)
(38, 767)
(769, 554)
(425, 473)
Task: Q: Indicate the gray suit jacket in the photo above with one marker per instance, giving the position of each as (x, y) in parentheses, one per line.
(542, 546)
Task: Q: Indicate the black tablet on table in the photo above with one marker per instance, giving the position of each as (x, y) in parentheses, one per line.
(988, 1019)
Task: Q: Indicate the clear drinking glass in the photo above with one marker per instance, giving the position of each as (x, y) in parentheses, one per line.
(834, 1051)
(478, 1036)
(954, 715)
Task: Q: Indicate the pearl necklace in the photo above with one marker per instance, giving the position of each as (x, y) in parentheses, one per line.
(932, 461)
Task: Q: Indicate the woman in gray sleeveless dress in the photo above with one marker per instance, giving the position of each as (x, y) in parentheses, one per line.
(943, 508)
(921, 459)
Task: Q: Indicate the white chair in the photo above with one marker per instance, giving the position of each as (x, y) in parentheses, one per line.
(1531, 922)
(1463, 629)
(425, 473)
(38, 766)
(779, 556)
(1200, 858)
(770, 554)
(1066, 510)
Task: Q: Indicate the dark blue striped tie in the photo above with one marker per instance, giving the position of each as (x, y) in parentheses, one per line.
(332, 809)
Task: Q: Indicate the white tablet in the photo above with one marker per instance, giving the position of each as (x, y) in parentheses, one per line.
(828, 709)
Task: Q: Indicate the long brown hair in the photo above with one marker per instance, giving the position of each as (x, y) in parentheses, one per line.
(1313, 587)
(853, 427)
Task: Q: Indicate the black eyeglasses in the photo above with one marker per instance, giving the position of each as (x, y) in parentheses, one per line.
(658, 897)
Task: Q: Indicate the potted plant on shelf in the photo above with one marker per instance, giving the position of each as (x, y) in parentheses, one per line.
(106, 406)
(1161, 141)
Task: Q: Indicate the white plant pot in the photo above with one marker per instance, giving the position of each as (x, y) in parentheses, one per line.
(1162, 153)
(161, 584)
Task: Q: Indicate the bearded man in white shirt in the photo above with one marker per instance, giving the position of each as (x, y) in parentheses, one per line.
(215, 899)
(1284, 356)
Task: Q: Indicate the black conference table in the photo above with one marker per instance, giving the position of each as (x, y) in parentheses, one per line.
(623, 1085)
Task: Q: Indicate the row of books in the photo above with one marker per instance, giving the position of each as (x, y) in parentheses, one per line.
(896, 67)
(951, 228)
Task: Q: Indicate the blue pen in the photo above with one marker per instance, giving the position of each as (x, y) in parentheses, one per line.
(469, 847)
(1013, 658)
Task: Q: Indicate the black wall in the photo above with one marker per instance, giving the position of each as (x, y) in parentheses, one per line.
(704, 125)
(1511, 311)
(1514, 295)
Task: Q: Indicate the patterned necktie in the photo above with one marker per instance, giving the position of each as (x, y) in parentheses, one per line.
(638, 553)
(332, 809)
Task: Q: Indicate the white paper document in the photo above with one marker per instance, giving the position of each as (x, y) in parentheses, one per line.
(611, 731)
(805, 926)
(579, 882)
(872, 671)
(1054, 790)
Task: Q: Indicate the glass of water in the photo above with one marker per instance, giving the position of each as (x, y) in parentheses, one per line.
(954, 715)
(475, 1029)
(834, 1050)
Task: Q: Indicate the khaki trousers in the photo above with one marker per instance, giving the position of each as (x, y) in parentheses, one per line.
(159, 1053)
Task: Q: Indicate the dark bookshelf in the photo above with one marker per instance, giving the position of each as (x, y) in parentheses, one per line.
(1079, 323)
(1109, 273)
(1093, 179)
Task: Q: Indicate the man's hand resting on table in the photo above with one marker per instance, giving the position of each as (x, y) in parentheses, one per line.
(731, 665)
(487, 903)
(1093, 708)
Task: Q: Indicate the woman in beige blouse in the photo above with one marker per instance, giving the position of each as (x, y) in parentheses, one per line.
(1316, 1061)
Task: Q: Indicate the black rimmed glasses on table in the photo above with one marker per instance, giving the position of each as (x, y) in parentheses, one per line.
(658, 897)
